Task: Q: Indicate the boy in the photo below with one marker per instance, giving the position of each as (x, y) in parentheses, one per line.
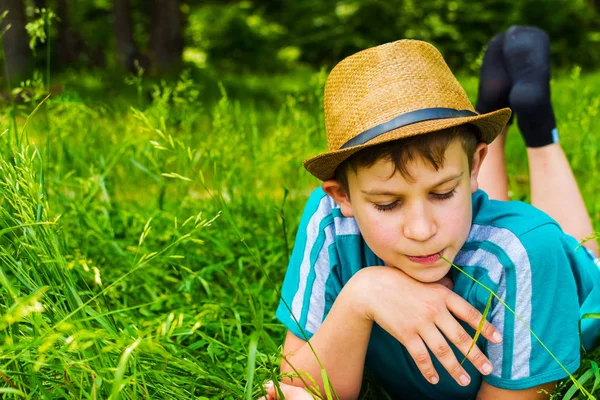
(400, 199)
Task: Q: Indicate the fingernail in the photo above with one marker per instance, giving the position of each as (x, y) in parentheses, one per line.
(464, 380)
(268, 385)
(435, 380)
(497, 337)
(487, 368)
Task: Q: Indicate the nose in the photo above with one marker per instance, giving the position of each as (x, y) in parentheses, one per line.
(419, 223)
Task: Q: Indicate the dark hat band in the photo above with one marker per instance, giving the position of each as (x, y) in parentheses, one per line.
(408, 118)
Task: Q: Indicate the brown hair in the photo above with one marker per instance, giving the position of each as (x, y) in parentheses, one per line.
(430, 147)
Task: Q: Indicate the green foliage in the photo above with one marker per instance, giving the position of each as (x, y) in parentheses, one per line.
(328, 31)
(37, 29)
(269, 36)
(142, 247)
(249, 34)
(237, 36)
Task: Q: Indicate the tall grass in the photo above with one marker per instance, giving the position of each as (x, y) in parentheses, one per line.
(142, 247)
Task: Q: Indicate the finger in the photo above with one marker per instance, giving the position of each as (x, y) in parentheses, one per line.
(466, 312)
(417, 350)
(463, 341)
(443, 352)
(288, 391)
(271, 391)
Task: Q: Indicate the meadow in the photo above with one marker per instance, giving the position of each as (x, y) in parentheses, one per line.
(145, 229)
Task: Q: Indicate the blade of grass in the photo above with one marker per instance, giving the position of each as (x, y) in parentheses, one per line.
(591, 315)
(252, 348)
(118, 382)
(326, 384)
(12, 391)
(596, 375)
(479, 328)
(582, 379)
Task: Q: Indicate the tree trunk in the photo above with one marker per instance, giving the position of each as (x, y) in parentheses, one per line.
(15, 40)
(127, 51)
(69, 45)
(166, 36)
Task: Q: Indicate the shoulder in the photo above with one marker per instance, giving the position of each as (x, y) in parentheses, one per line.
(513, 238)
(515, 216)
(516, 229)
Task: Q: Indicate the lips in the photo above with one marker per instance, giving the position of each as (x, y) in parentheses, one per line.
(425, 260)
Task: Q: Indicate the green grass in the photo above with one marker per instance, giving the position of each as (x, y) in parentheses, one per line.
(143, 239)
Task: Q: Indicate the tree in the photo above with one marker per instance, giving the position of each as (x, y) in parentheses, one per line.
(15, 40)
(127, 50)
(69, 44)
(166, 36)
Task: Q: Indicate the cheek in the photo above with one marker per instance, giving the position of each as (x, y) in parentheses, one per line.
(378, 228)
(455, 220)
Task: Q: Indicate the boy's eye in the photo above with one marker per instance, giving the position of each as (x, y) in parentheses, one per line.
(386, 207)
(444, 196)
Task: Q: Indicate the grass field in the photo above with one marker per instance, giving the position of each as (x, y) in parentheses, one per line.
(143, 239)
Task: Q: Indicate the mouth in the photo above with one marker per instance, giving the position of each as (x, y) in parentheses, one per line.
(425, 260)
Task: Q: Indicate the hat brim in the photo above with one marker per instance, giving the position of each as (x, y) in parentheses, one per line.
(490, 125)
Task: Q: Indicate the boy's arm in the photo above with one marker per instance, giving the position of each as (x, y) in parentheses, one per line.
(541, 392)
(407, 309)
(340, 344)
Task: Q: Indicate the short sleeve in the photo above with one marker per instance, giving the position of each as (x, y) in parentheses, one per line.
(303, 295)
(538, 284)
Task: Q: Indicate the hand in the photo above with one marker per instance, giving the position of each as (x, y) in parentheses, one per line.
(417, 314)
(289, 392)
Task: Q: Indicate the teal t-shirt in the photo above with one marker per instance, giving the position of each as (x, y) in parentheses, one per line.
(514, 249)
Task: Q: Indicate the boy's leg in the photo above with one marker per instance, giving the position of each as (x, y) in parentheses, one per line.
(554, 190)
(494, 89)
(553, 185)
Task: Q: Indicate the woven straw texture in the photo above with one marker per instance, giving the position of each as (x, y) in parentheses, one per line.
(376, 85)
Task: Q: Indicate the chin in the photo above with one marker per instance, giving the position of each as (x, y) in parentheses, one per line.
(425, 276)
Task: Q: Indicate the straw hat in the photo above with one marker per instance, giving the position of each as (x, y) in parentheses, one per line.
(390, 92)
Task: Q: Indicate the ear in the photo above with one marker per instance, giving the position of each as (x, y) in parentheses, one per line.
(334, 189)
(478, 157)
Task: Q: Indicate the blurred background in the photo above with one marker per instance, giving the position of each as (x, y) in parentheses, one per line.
(217, 39)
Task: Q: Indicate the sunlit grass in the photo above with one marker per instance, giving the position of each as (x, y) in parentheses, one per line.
(143, 248)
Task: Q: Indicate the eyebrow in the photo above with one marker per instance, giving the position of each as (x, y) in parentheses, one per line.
(388, 193)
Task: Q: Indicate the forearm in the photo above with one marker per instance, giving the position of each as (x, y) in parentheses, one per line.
(340, 344)
(489, 392)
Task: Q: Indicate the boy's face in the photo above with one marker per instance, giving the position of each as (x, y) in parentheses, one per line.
(408, 223)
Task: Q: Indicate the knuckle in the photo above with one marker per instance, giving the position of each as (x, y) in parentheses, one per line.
(427, 371)
(488, 328)
(433, 308)
(477, 357)
(455, 370)
(474, 315)
(441, 291)
(463, 337)
(443, 351)
(422, 358)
